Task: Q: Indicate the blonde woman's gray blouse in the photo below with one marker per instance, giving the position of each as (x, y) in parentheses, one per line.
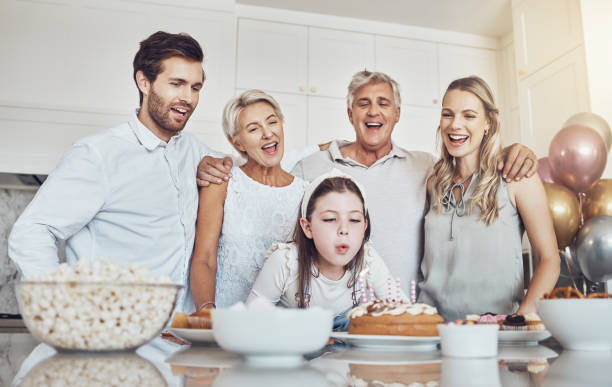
(469, 267)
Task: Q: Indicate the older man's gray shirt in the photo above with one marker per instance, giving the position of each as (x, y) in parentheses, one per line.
(396, 191)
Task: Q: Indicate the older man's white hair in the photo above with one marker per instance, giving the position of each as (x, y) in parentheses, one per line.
(235, 106)
(366, 77)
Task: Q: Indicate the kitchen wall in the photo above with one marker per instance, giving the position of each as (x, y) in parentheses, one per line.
(12, 204)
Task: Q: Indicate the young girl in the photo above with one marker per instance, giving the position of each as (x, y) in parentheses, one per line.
(473, 261)
(321, 267)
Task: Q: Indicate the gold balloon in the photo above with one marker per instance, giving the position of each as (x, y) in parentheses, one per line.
(565, 211)
(598, 201)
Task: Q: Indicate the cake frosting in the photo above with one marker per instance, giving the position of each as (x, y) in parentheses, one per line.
(386, 307)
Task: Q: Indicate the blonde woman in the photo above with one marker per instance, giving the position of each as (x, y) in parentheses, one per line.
(473, 259)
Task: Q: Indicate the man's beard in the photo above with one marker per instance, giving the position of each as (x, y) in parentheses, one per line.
(160, 113)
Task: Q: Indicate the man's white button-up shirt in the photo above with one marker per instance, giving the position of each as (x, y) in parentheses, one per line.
(122, 194)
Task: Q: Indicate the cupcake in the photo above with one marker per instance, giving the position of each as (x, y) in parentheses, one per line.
(533, 322)
(515, 322)
(487, 318)
(200, 320)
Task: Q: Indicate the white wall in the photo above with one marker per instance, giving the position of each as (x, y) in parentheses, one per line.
(598, 52)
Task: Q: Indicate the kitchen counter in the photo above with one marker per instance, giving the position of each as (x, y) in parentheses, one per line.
(163, 363)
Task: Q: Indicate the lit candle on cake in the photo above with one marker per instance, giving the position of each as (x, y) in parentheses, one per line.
(389, 288)
(413, 291)
(364, 297)
(397, 290)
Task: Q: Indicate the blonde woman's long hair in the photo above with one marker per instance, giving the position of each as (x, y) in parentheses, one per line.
(485, 193)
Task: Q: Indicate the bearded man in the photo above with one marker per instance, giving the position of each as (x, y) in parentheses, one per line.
(129, 193)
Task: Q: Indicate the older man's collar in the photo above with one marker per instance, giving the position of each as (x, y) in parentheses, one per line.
(145, 136)
(334, 150)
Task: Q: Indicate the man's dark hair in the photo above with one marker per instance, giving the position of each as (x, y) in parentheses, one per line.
(161, 46)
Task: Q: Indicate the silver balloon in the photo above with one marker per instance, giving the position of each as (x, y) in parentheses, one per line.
(594, 248)
(569, 263)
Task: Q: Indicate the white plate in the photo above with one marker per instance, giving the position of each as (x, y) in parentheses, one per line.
(522, 337)
(388, 343)
(195, 336)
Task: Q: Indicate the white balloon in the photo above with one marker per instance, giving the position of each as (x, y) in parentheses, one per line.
(593, 121)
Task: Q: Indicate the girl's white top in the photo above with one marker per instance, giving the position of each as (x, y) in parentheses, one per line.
(255, 216)
(278, 281)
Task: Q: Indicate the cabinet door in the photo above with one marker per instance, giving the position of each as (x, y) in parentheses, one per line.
(543, 31)
(69, 74)
(416, 129)
(328, 120)
(271, 56)
(457, 62)
(333, 58)
(414, 65)
(294, 108)
(550, 96)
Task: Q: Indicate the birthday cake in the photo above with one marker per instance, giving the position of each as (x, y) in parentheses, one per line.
(388, 317)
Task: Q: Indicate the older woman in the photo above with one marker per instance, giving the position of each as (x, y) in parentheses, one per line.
(239, 220)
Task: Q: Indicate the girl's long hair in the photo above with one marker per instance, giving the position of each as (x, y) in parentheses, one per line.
(485, 193)
(307, 253)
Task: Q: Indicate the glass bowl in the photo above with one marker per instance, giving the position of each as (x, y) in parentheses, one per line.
(95, 316)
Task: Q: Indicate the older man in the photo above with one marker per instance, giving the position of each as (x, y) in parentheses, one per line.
(394, 178)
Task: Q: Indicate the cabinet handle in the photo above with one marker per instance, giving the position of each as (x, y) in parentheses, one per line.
(435, 101)
(302, 88)
(313, 89)
(521, 73)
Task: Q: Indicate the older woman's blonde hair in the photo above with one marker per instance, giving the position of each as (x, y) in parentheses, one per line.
(236, 105)
(485, 193)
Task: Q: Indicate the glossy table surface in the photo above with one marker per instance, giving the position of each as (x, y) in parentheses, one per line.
(24, 362)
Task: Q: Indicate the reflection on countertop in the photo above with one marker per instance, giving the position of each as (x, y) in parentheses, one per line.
(160, 363)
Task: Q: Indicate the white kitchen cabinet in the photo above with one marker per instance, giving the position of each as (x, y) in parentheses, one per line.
(414, 65)
(70, 74)
(328, 120)
(333, 58)
(416, 129)
(458, 62)
(543, 31)
(549, 97)
(272, 56)
(294, 108)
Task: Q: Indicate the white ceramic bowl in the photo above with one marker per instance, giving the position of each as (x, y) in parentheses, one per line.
(272, 337)
(95, 316)
(578, 324)
(478, 340)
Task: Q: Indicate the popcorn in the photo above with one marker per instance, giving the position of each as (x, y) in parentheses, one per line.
(96, 306)
(70, 370)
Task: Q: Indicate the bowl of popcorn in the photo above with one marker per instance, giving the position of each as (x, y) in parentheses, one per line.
(96, 306)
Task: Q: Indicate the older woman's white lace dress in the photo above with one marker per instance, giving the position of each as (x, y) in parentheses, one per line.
(254, 217)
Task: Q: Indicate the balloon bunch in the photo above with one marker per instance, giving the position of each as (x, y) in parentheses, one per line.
(579, 201)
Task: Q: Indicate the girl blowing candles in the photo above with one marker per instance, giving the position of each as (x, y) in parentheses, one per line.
(473, 260)
(330, 249)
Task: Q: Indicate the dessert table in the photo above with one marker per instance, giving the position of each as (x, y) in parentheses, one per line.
(25, 362)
